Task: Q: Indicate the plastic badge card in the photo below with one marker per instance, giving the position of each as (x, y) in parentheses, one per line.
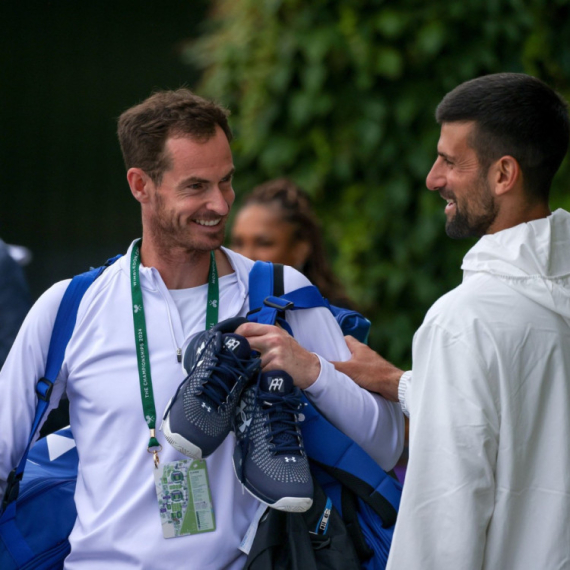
(184, 498)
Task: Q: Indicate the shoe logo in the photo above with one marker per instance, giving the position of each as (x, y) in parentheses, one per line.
(240, 411)
(206, 407)
(287, 459)
(276, 385)
(232, 343)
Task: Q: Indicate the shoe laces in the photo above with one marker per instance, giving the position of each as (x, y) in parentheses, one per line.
(224, 374)
(281, 412)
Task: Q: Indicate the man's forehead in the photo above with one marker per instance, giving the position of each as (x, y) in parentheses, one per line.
(200, 152)
(456, 136)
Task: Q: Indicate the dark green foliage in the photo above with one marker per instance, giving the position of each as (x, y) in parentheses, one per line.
(340, 96)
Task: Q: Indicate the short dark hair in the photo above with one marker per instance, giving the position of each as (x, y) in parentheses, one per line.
(517, 115)
(144, 128)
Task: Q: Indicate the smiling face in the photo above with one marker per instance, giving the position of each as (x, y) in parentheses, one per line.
(459, 178)
(259, 233)
(188, 209)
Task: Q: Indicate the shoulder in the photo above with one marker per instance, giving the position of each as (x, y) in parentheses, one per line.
(50, 300)
(480, 298)
(39, 321)
(294, 279)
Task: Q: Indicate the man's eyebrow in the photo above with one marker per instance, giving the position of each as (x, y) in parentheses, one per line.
(444, 155)
(198, 180)
(193, 180)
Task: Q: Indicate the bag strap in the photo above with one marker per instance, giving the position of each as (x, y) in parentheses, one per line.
(341, 457)
(62, 331)
(268, 300)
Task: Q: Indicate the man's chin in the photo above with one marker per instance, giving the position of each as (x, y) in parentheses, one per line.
(211, 242)
(457, 229)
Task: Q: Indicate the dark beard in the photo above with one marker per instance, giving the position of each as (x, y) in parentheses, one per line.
(466, 225)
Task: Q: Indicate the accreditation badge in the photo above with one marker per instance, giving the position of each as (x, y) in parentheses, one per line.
(184, 498)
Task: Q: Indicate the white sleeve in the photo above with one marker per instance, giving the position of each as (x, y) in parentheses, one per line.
(449, 492)
(374, 423)
(403, 386)
(24, 366)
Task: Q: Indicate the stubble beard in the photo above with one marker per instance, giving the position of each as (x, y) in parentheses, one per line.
(169, 236)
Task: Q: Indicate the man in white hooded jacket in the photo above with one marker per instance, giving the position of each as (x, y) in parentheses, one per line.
(487, 484)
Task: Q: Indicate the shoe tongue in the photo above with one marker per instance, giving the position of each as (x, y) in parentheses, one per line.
(237, 344)
(276, 382)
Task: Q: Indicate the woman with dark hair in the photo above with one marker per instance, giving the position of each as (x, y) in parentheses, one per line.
(277, 223)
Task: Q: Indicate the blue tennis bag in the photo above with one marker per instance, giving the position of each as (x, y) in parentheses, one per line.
(365, 495)
(38, 511)
(45, 511)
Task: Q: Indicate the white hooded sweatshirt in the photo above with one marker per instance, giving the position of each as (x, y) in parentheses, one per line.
(488, 482)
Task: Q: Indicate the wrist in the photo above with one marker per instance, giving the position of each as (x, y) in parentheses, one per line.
(311, 371)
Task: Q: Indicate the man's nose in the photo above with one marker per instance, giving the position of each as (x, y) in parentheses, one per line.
(218, 202)
(435, 178)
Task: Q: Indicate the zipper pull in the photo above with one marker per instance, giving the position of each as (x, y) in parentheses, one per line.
(179, 354)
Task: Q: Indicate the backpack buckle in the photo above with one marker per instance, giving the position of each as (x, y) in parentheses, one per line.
(278, 303)
(12, 489)
(44, 388)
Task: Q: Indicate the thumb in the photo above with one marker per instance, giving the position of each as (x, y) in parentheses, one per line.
(352, 343)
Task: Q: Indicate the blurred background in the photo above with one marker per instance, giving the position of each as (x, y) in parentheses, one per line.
(338, 95)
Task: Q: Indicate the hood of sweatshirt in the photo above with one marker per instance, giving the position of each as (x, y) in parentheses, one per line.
(533, 258)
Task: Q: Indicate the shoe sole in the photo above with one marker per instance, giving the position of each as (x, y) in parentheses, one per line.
(286, 504)
(178, 442)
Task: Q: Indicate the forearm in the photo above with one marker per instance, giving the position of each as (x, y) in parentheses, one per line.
(374, 423)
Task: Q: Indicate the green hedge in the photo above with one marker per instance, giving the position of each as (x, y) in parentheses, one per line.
(340, 96)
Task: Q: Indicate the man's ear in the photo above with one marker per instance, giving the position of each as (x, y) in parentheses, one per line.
(506, 175)
(140, 184)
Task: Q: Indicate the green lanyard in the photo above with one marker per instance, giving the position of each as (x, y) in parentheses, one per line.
(141, 342)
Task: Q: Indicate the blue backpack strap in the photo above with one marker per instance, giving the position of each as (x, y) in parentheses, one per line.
(62, 331)
(260, 284)
(340, 456)
(267, 300)
(266, 283)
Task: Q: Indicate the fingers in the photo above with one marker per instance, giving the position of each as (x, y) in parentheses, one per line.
(280, 351)
(248, 330)
(347, 366)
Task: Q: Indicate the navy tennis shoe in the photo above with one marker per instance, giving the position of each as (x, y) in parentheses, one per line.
(219, 364)
(269, 458)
